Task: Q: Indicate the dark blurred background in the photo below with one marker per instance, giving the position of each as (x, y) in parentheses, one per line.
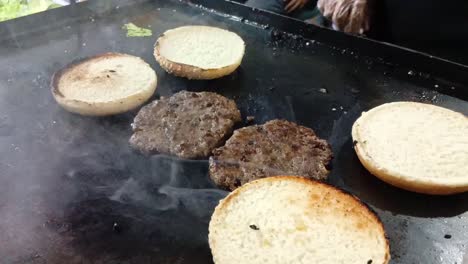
(437, 27)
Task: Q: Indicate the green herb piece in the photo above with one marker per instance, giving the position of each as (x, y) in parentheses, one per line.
(135, 31)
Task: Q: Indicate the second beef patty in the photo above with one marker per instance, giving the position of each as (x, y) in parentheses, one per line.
(278, 147)
(187, 124)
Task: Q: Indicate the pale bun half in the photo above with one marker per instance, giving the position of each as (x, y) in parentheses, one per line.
(414, 146)
(199, 52)
(106, 84)
(289, 219)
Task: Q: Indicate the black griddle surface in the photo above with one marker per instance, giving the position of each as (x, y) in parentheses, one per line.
(72, 190)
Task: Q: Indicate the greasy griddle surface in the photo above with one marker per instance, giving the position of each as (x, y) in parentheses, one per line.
(73, 191)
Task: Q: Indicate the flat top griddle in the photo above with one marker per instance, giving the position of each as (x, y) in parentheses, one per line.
(72, 190)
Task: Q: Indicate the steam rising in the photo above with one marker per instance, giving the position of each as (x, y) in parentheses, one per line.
(200, 202)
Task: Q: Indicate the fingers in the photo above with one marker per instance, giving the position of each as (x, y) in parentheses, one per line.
(359, 18)
(366, 16)
(320, 4)
(341, 14)
(350, 16)
(292, 5)
(327, 7)
(354, 24)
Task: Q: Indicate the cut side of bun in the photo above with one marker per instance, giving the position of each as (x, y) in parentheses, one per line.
(199, 52)
(288, 219)
(105, 84)
(415, 146)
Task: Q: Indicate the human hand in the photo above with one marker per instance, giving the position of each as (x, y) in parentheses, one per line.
(351, 16)
(293, 5)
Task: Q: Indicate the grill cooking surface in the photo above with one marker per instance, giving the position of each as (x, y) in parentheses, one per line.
(73, 191)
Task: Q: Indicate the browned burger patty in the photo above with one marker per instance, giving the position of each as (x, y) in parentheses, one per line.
(278, 147)
(187, 124)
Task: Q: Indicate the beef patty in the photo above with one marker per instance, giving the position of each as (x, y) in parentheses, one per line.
(278, 147)
(187, 124)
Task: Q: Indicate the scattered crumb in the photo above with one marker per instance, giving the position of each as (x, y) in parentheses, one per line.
(116, 227)
(323, 90)
(354, 90)
(254, 227)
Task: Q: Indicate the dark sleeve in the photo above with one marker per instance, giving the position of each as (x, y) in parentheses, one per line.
(439, 27)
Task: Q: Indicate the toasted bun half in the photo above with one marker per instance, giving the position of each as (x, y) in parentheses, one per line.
(199, 52)
(105, 84)
(414, 146)
(287, 219)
